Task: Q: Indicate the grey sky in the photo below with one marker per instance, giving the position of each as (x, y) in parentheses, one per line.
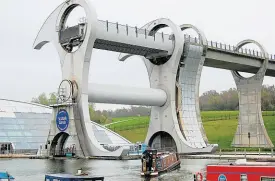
(25, 73)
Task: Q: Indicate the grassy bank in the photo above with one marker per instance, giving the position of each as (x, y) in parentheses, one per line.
(220, 126)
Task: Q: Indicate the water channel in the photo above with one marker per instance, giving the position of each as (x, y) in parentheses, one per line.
(34, 170)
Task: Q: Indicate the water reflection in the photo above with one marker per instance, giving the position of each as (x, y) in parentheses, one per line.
(66, 166)
(112, 170)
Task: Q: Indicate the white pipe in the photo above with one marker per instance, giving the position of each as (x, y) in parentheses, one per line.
(116, 94)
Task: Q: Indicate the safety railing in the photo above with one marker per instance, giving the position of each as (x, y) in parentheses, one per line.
(244, 152)
(129, 30)
(229, 48)
(19, 152)
(161, 37)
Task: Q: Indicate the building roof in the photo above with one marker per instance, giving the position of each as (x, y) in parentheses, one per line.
(20, 106)
(26, 126)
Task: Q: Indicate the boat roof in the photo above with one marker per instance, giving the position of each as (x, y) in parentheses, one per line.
(70, 176)
(5, 175)
(164, 154)
(244, 162)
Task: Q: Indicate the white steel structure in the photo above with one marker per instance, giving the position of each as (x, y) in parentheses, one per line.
(174, 63)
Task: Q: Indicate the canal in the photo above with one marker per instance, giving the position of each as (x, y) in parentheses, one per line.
(112, 170)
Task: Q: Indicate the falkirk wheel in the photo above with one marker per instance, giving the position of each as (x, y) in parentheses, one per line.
(174, 64)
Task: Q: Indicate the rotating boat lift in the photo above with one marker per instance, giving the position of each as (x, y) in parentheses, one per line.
(174, 68)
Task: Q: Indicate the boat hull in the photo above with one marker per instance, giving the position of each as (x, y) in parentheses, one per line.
(171, 168)
(149, 174)
(235, 172)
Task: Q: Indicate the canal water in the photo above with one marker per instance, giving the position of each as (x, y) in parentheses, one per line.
(112, 170)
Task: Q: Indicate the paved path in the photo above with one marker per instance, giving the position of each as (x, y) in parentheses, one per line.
(117, 122)
(15, 156)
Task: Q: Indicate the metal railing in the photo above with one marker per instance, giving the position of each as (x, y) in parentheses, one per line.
(161, 37)
(247, 151)
(229, 48)
(19, 152)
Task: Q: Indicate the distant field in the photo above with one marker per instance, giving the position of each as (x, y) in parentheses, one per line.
(220, 126)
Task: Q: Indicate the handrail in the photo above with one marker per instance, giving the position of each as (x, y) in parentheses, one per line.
(165, 37)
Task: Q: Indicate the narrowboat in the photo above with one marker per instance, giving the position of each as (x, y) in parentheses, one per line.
(155, 163)
(241, 170)
(5, 176)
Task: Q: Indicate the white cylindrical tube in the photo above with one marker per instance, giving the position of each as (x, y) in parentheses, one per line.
(116, 94)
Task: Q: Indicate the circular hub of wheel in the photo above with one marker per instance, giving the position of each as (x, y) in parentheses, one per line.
(72, 33)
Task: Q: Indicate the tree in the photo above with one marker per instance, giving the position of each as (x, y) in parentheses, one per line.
(97, 116)
(53, 98)
(41, 99)
(209, 101)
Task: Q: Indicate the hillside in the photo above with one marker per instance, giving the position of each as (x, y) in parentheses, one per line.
(220, 126)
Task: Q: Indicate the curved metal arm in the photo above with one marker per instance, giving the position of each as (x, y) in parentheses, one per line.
(202, 37)
(264, 52)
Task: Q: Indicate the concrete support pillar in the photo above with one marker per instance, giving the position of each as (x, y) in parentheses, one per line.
(251, 131)
(68, 128)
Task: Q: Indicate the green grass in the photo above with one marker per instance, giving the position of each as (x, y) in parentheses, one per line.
(219, 115)
(134, 135)
(221, 131)
(129, 121)
(124, 118)
(269, 122)
(220, 126)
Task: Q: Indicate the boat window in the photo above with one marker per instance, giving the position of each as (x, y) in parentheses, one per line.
(267, 178)
(158, 163)
(244, 177)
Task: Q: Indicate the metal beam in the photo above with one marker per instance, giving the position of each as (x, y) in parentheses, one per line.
(115, 94)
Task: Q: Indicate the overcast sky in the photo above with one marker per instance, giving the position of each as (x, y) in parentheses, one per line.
(25, 73)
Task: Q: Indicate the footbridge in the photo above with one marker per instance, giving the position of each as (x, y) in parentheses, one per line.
(154, 45)
(174, 63)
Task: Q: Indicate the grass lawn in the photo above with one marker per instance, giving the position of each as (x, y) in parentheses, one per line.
(218, 126)
(134, 135)
(221, 131)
